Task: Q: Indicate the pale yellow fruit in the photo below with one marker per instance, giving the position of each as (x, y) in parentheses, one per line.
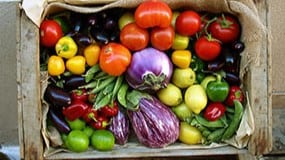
(183, 78)
(196, 98)
(189, 134)
(170, 96)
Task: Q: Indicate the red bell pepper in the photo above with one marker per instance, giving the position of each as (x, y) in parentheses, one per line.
(79, 95)
(235, 93)
(101, 122)
(75, 110)
(214, 111)
(90, 114)
(110, 110)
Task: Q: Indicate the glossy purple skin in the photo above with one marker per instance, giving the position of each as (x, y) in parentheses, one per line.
(149, 61)
(154, 124)
(120, 127)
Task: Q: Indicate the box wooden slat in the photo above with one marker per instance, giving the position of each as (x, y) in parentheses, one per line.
(29, 91)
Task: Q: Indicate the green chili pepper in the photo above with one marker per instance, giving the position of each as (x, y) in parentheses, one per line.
(197, 64)
(217, 91)
(200, 76)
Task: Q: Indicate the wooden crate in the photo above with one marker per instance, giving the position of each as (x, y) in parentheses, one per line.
(30, 114)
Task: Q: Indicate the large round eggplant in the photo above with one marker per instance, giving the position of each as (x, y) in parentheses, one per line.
(154, 124)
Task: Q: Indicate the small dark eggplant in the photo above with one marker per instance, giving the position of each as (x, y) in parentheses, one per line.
(58, 120)
(57, 96)
(73, 82)
(99, 35)
(82, 39)
(232, 78)
(93, 21)
(238, 47)
(216, 64)
(110, 24)
(231, 60)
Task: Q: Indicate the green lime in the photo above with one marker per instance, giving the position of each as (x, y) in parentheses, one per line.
(102, 140)
(77, 141)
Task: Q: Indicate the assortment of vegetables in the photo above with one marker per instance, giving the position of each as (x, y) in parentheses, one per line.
(167, 75)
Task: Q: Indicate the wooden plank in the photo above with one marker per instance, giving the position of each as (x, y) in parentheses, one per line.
(139, 151)
(29, 91)
(260, 94)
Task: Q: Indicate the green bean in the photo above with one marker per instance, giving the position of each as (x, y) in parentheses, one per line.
(103, 102)
(204, 130)
(210, 124)
(91, 72)
(118, 84)
(216, 135)
(92, 84)
(235, 121)
(230, 109)
(109, 88)
(103, 84)
(121, 96)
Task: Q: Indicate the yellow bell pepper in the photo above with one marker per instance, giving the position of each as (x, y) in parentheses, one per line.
(66, 47)
(76, 65)
(55, 65)
(91, 54)
(181, 58)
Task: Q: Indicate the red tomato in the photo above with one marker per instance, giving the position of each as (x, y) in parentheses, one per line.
(153, 14)
(225, 28)
(162, 38)
(188, 23)
(50, 33)
(207, 49)
(134, 37)
(114, 59)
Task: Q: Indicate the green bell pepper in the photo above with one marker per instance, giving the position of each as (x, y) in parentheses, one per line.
(217, 91)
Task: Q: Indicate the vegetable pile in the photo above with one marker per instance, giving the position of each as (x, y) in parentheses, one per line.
(170, 76)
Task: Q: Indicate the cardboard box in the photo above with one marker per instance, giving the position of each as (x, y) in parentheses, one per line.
(257, 82)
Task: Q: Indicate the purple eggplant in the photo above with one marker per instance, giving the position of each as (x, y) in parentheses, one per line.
(58, 120)
(73, 82)
(120, 127)
(154, 124)
(57, 96)
(150, 70)
(232, 78)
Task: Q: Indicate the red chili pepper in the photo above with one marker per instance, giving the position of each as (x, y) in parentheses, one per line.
(214, 111)
(75, 110)
(100, 123)
(79, 95)
(90, 114)
(110, 110)
(235, 93)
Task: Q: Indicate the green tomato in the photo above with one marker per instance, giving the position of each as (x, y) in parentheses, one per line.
(182, 111)
(125, 19)
(103, 140)
(171, 95)
(77, 141)
(77, 124)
